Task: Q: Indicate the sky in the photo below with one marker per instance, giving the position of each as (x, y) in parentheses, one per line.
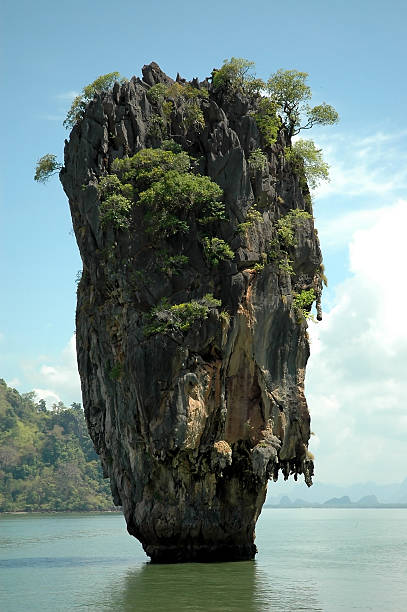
(355, 54)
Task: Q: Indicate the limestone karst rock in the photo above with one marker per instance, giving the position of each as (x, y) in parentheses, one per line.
(191, 422)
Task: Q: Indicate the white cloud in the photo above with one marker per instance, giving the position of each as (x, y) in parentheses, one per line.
(356, 380)
(13, 382)
(338, 230)
(60, 380)
(49, 396)
(374, 166)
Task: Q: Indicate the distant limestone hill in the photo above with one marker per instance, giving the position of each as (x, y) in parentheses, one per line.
(47, 461)
(369, 501)
(392, 494)
(338, 501)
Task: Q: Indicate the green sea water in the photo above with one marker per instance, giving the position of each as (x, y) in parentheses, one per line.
(309, 559)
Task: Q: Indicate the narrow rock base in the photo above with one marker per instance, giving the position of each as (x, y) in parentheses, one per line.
(201, 553)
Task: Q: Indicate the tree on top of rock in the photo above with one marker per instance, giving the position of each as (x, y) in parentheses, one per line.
(290, 93)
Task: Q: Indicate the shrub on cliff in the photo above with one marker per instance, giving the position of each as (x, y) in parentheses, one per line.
(164, 97)
(216, 250)
(172, 198)
(268, 122)
(162, 183)
(102, 83)
(177, 193)
(257, 161)
(149, 166)
(304, 155)
(237, 76)
(46, 166)
(303, 301)
(179, 317)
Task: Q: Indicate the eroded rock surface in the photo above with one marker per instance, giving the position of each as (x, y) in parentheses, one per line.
(191, 425)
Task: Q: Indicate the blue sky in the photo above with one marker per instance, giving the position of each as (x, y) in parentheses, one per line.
(355, 54)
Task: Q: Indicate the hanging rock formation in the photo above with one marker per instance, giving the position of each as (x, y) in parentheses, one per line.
(191, 422)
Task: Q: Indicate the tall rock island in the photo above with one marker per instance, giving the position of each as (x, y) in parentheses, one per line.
(200, 265)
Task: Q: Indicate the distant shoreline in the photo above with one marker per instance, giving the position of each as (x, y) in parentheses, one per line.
(265, 507)
(19, 512)
(329, 507)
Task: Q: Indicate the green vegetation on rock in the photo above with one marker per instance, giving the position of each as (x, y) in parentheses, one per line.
(303, 301)
(47, 461)
(305, 157)
(268, 121)
(287, 225)
(285, 241)
(252, 216)
(46, 166)
(257, 161)
(282, 102)
(237, 76)
(165, 318)
(114, 210)
(166, 97)
(78, 107)
(172, 197)
(171, 264)
(168, 201)
(216, 250)
(149, 166)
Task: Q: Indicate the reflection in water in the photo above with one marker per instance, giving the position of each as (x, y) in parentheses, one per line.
(196, 587)
(214, 587)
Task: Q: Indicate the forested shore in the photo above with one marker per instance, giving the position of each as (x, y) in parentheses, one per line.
(47, 460)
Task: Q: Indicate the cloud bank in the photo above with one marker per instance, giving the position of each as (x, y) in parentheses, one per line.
(356, 379)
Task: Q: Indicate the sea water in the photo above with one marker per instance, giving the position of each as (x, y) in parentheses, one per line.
(309, 559)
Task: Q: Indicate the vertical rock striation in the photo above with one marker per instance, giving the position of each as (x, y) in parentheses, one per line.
(191, 424)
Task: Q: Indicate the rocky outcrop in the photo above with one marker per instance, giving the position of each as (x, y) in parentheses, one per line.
(190, 424)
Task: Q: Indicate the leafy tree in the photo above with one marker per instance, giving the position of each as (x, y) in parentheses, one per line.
(46, 166)
(102, 83)
(289, 91)
(268, 122)
(237, 75)
(304, 153)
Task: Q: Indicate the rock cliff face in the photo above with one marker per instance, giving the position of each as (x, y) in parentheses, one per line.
(190, 423)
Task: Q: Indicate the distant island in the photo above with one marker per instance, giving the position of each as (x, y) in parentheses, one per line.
(323, 495)
(368, 501)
